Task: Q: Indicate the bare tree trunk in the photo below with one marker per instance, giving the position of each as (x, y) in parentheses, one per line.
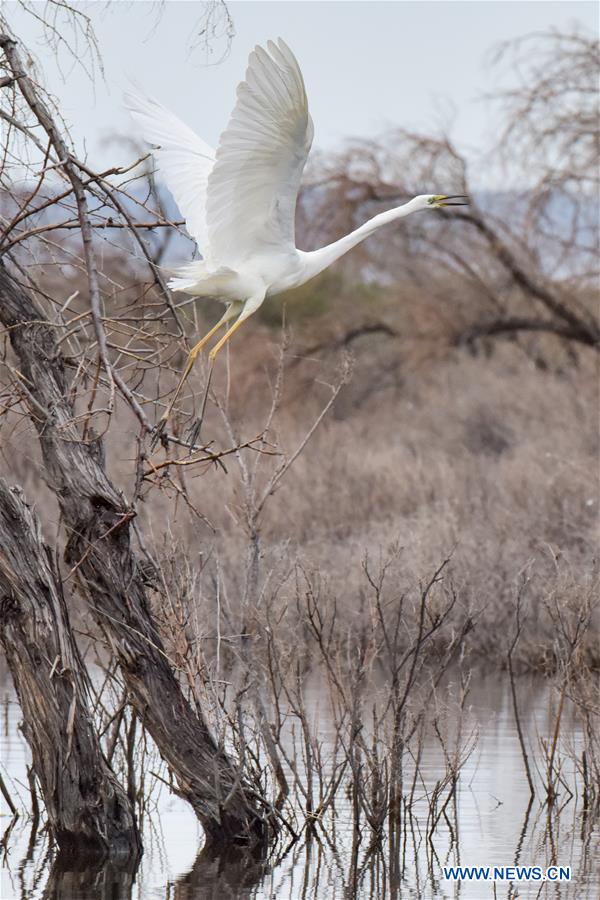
(88, 810)
(98, 518)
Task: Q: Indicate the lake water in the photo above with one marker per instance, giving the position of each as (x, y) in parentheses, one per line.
(488, 822)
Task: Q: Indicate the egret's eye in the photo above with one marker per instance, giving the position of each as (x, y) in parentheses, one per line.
(431, 201)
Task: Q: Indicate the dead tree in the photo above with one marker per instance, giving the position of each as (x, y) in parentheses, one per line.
(88, 810)
(96, 516)
(99, 551)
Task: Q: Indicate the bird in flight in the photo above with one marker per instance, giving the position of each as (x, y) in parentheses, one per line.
(239, 201)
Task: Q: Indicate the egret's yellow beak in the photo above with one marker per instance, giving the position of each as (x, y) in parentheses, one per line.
(458, 200)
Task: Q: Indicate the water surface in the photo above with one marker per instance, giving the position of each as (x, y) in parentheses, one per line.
(488, 821)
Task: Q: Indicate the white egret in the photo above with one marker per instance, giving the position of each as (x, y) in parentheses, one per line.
(239, 202)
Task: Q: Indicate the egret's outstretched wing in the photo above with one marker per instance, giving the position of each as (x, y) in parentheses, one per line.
(253, 186)
(184, 160)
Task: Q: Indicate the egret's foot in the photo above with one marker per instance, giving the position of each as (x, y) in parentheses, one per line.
(159, 432)
(194, 433)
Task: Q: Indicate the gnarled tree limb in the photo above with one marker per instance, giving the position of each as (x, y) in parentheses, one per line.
(98, 520)
(88, 810)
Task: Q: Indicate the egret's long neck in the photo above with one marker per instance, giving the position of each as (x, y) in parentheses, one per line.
(317, 260)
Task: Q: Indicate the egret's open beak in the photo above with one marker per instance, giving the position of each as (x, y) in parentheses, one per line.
(458, 200)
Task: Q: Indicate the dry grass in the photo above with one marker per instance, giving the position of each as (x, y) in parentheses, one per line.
(487, 456)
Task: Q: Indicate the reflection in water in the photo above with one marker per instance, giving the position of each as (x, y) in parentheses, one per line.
(483, 817)
(86, 879)
(231, 875)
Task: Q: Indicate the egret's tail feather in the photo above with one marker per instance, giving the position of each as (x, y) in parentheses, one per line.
(198, 279)
(181, 284)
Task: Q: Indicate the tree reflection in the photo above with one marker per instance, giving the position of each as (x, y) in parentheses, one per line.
(232, 873)
(83, 877)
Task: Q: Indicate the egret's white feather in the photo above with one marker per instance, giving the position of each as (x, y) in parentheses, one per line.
(252, 189)
(184, 160)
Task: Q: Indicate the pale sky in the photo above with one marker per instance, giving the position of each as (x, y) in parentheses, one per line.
(367, 65)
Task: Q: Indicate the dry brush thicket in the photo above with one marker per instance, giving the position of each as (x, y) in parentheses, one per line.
(401, 479)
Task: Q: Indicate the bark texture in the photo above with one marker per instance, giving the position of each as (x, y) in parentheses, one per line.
(99, 551)
(88, 810)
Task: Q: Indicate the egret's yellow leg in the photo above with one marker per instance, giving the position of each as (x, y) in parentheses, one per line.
(195, 432)
(188, 367)
(225, 338)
